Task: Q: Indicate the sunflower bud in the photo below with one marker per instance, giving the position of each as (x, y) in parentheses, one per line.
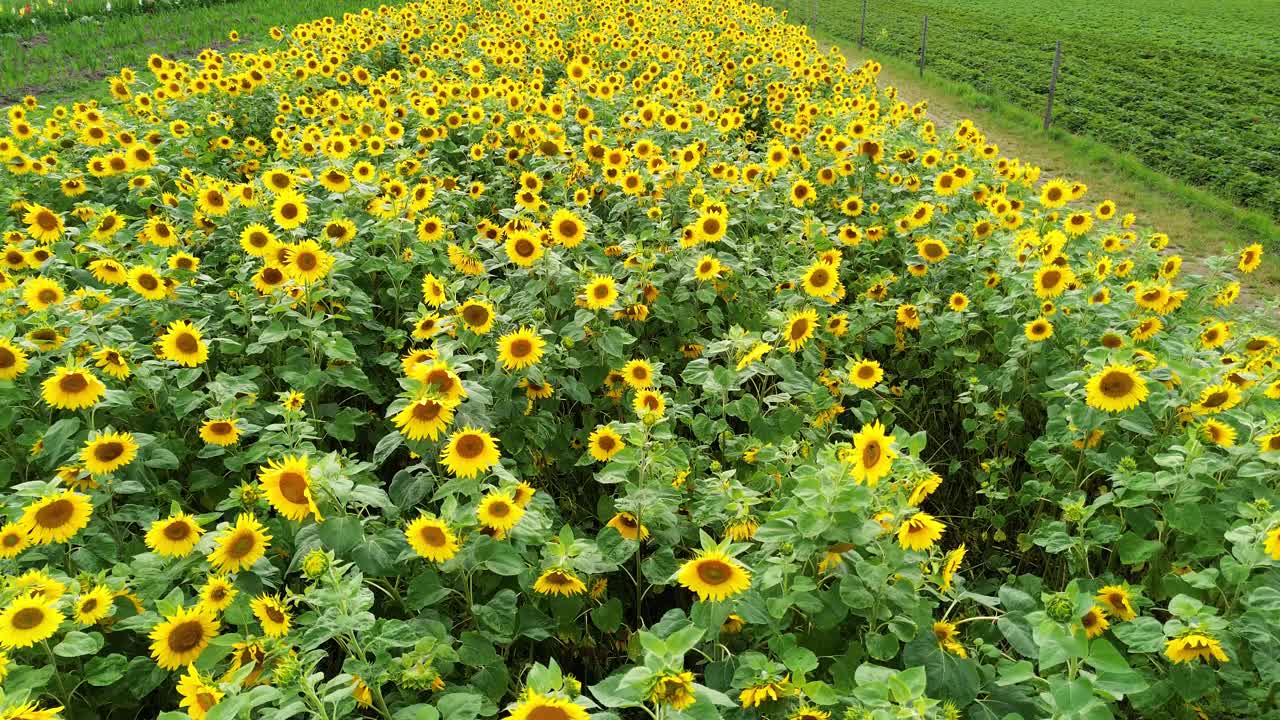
(315, 564)
(1060, 608)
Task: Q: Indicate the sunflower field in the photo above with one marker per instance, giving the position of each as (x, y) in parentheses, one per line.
(553, 361)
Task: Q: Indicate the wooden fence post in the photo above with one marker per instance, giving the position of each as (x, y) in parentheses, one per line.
(924, 42)
(1053, 85)
(862, 28)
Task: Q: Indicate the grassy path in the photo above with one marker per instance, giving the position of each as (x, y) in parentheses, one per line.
(1200, 227)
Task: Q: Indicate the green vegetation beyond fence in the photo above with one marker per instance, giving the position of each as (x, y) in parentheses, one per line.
(1192, 88)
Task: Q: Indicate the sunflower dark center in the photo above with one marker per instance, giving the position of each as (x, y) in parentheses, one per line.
(186, 637)
(187, 343)
(470, 446)
(433, 536)
(55, 514)
(293, 486)
(28, 618)
(1116, 384)
(177, 531)
(714, 572)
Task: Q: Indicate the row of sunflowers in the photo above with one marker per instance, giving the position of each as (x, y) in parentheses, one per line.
(548, 361)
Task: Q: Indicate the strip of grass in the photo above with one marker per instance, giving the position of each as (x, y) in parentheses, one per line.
(41, 15)
(70, 60)
(1199, 223)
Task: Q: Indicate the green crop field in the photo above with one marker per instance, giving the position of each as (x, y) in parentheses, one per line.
(1192, 88)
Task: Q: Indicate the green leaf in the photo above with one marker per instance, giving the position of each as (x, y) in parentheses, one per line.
(607, 617)
(104, 671)
(460, 706)
(1140, 635)
(77, 643)
(387, 445)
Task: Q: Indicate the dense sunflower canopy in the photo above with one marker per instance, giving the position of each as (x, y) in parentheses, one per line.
(548, 361)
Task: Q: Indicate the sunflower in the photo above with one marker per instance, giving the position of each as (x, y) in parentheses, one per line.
(43, 224)
(1115, 599)
(220, 431)
(268, 279)
(710, 227)
(1194, 645)
(866, 374)
(431, 229)
(908, 316)
(820, 279)
(1218, 433)
(1052, 280)
(107, 452)
(1270, 442)
(708, 268)
(536, 706)
(94, 605)
(1055, 193)
(56, 518)
(257, 240)
(950, 565)
(932, 250)
(147, 282)
(41, 293)
(175, 536)
(431, 538)
(477, 315)
(112, 362)
(308, 262)
(72, 388)
(217, 594)
(272, 615)
(567, 228)
(948, 636)
(184, 344)
(1271, 545)
(28, 620)
(873, 453)
(1217, 398)
(287, 483)
(38, 583)
(1095, 622)
(714, 576)
(443, 383)
(469, 452)
(604, 443)
(1116, 388)
(289, 210)
(180, 638)
(499, 511)
(638, 374)
(13, 360)
(919, 532)
(241, 545)
(958, 301)
(799, 328)
(424, 419)
(523, 248)
(628, 526)
(559, 581)
(673, 689)
(520, 349)
(600, 292)
(809, 712)
(1038, 330)
(433, 291)
(1250, 258)
(649, 401)
(13, 540)
(198, 696)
